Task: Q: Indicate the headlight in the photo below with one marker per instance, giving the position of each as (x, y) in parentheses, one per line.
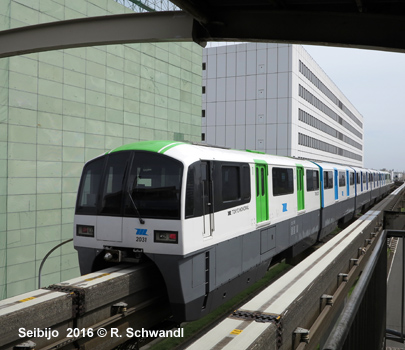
(85, 230)
(166, 236)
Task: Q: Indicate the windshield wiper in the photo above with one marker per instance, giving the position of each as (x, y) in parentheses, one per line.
(142, 221)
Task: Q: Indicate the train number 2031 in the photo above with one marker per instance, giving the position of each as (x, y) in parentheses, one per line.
(141, 239)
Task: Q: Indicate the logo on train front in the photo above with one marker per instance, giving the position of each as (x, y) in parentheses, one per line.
(141, 232)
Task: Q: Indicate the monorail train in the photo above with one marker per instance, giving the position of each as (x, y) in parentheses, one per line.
(211, 219)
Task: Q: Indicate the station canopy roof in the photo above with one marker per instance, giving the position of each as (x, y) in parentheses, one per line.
(370, 24)
(375, 24)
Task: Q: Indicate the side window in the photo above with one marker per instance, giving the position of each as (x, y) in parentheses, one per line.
(351, 179)
(327, 179)
(358, 178)
(231, 185)
(312, 180)
(330, 179)
(342, 179)
(282, 181)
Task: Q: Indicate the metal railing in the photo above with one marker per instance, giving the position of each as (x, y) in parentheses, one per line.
(362, 324)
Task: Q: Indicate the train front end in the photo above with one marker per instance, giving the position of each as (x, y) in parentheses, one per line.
(129, 206)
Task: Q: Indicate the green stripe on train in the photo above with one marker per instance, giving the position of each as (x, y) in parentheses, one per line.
(150, 146)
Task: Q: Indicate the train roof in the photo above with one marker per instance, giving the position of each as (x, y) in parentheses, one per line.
(332, 166)
(150, 146)
(191, 152)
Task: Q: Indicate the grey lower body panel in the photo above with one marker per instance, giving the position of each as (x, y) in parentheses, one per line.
(363, 201)
(331, 215)
(304, 231)
(375, 195)
(198, 284)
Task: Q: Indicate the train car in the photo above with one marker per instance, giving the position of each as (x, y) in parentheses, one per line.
(211, 219)
(373, 184)
(338, 195)
(386, 183)
(362, 194)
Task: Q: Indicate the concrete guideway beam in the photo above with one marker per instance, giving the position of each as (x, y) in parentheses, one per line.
(170, 26)
(31, 309)
(87, 302)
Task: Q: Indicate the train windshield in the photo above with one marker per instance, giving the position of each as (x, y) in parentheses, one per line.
(133, 183)
(154, 185)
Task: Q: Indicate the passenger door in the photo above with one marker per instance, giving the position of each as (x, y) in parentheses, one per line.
(262, 198)
(300, 188)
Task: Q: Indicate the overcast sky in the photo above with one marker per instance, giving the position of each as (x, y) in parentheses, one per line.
(374, 82)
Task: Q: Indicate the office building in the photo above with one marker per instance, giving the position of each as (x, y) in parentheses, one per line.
(276, 99)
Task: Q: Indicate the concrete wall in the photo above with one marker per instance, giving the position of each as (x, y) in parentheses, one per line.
(59, 109)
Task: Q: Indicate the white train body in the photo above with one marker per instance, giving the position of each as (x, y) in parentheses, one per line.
(211, 219)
